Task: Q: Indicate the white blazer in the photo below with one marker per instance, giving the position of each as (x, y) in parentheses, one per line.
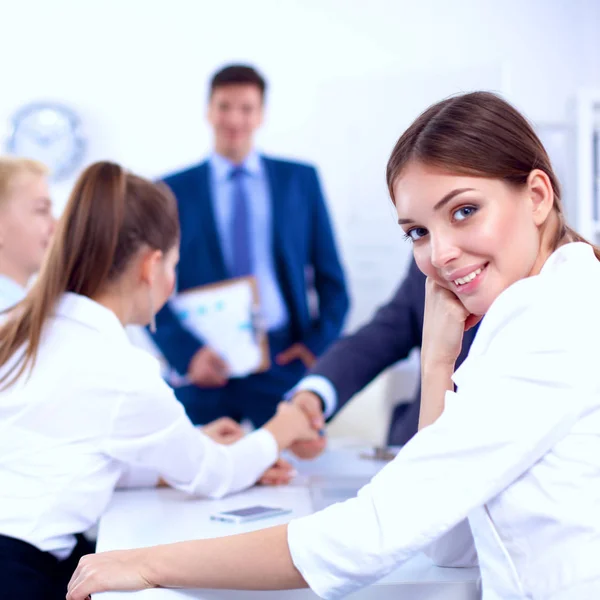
(512, 464)
(93, 413)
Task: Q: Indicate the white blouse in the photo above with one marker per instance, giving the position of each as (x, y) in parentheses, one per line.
(10, 292)
(512, 464)
(94, 413)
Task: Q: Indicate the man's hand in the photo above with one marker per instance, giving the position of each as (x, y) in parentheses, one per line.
(296, 352)
(310, 403)
(223, 431)
(207, 369)
(279, 474)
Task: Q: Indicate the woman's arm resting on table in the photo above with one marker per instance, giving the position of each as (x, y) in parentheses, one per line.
(259, 560)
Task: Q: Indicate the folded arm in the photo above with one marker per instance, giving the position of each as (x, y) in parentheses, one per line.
(151, 433)
(474, 450)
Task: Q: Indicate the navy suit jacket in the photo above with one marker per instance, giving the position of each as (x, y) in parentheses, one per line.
(303, 241)
(396, 328)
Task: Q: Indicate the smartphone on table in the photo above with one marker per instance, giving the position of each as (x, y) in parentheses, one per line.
(249, 513)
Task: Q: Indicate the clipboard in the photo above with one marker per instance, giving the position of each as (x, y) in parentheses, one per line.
(226, 316)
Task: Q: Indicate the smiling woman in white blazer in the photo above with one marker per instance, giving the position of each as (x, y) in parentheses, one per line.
(507, 467)
(81, 409)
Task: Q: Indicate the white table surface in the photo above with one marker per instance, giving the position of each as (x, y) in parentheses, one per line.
(138, 518)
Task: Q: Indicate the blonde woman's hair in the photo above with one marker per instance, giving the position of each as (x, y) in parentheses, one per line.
(11, 167)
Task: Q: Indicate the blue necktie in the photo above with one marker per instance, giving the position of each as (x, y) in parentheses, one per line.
(241, 255)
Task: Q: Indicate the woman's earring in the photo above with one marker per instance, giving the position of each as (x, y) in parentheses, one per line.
(152, 314)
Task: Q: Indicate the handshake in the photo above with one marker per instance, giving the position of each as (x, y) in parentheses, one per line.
(298, 425)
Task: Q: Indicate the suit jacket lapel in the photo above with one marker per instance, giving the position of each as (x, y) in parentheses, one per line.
(282, 250)
(208, 223)
(277, 199)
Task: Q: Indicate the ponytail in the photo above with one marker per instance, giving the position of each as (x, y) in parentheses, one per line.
(109, 216)
(572, 236)
(565, 233)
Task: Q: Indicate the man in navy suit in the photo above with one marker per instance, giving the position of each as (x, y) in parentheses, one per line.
(354, 361)
(243, 213)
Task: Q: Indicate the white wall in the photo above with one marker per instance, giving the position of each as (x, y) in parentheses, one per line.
(346, 77)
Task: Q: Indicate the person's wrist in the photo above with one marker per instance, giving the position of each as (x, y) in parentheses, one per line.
(152, 566)
(438, 364)
(281, 437)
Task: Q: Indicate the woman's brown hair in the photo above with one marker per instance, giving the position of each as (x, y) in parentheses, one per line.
(111, 214)
(481, 135)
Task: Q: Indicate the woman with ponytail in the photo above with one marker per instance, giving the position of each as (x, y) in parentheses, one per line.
(506, 467)
(81, 409)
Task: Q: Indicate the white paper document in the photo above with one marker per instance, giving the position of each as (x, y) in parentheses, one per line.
(224, 317)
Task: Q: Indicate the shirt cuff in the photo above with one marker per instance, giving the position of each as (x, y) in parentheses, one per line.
(322, 387)
(317, 574)
(245, 461)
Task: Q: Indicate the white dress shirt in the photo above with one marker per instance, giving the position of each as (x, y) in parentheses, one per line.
(95, 412)
(512, 464)
(10, 292)
(256, 184)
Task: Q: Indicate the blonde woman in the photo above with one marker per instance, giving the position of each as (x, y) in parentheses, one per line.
(26, 225)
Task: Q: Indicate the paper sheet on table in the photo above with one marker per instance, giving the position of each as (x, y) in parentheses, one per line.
(225, 316)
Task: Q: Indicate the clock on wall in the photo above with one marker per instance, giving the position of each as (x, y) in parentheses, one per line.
(51, 133)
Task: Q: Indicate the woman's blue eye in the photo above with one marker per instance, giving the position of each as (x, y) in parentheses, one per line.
(462, 213)
(415, 233)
